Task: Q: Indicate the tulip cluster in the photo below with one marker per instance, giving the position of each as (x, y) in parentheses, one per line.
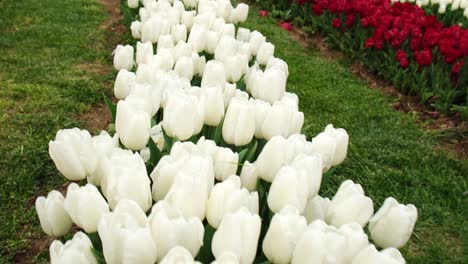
(207, 162)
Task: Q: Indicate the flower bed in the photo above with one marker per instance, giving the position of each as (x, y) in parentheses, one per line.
(420, 53)
(205, 160)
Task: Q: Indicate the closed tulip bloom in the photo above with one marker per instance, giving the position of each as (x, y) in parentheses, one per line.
(310, 166)
(256, 40)
(126, 235)
(284, 231)
(165, 42)
(228, 30)
(136, 27)
(214, 75)
(243, 34)
(199, 63)
(227, 258)
(271, 86)
(278, 120)
(227, 47)
(249, 176)
(289, 188)
(177, 255)
(197, 37)
(230, 91)
(320, 244)
(85, 205)
(163, 60)
(189, 195)
(274, 155)
(224, 9)
(278, 64)
(225, 163)
(182, 49)
(123, 83)
(213, 104)
(184, 68)
(237, 234)
(349, 205)
(393, 224)
(212, 40)
(324, 145)
(265, 53)
(183, 116)
(77, 250)
(179, 33)
(240, 13)
(341, 137)
(133, 125)
(171, 230)
(227, 197)
(187, 18)
(133, 3)
(239, 122)
(356, 240)
(54, 220)
(144, 52)
(150, 30)
(370, 255)
(125, 177)
(316, 208)
(173, 15)
(123, 57)
(146, 97)
(73, 154)
(234, 66)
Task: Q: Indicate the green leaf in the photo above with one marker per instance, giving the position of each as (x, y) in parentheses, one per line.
(218, 134)
(252, 151)
(155, 153)
(205, 255)
(242, 155)
(167, 140)
(98, 255)
(112, 107)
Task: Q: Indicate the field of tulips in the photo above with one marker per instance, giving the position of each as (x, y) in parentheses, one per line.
(421, 47)
(205, 160)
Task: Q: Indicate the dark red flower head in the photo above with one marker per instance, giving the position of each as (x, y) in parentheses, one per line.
(263, 13)
(336, 23)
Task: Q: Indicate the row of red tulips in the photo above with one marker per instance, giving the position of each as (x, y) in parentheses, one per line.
(400, 41)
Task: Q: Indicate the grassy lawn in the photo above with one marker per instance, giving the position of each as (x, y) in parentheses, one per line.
(389, 154)
(46, 50)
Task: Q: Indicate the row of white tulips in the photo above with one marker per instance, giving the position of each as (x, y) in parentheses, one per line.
(443, 5)
(244, 192)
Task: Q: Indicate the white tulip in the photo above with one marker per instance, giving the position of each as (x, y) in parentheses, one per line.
(123, 83)
(228, 30)
(239, 122)
(184, 68)
(123, 57)
(133, 3)
(269, 86)
(265, 53)
(212, 40)
(278, 64)
(54, 220)
(341, 138)
(136, 28)
(316, 208)
(163, 60)
(320, 244)
(370, 255)
(213, 104)
(73, 153)
(256, 40)
(240, 13)
(126, 235)
(125, 177)
(164, 174)
(178, 255)
(151, 29)
(188, 18)
(310, 166)
(103, 145)
(183, 116)
(349, 205)
(132, 124)
(75, 251)
(197, 37)
(237, 234)
(235, 66)
(224, 9)
(226, 48)
(165, 42)
(182, 49)
(146, 97)
(393, 224)
(144, 52)
(289, 188)
(243, 34)
(173, 15)
(278, 120)
(286, 227)
(227, 258)
(225, 163)
(249, 176)
(85, 205)
(275, 154)
(171, 230)
(179, 33)
(157, 136)
(199, 63)
(356, 240)
(227, 197)
(214, 75)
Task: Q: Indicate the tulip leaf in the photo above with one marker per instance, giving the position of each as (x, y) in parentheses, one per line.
(205, 255)
(218, 133)
(98, 255)
(167, 140)
(242, 155)
(252, 151)
(155, 153)
(112, 107)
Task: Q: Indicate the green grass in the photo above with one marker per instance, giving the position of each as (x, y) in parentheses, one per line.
(43, 87)
(389, 155)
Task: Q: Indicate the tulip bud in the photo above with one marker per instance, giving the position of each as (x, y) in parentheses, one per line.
(151, 29)
(256, 40)
(85, 205)
(163, 60)
(76, 250)
(214, 75)
(165, 42)
(227, 197)
(184, 68)
(316, 208)
(197, 37)
(243, 34)
(133, 125)
(356, 240)
(234, 66)
(136, 28)
(125, 177)
(240, 13)
(275, 154)
(289, 188)
(226, 48)
(183, 116)
(177, 255)
(227, 258)
(278, 64)
(224, 9)
(123, 57)
(269, 86)
(73, 153)
(284, 231)
(199, 63)
(393, 224)
(187, 18)
(54, 220)
(249, 176)
(370, 255)
(133, 3)
(173, 15)
(170, 230)
(182, 49)
(144, 52)
(213, 104)
(212, 40)
(179, 33)
(349, 205)
(265, 52)
(237, 234)
(332, 145)
(239, 122)
(126, 235)
(123, 83)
